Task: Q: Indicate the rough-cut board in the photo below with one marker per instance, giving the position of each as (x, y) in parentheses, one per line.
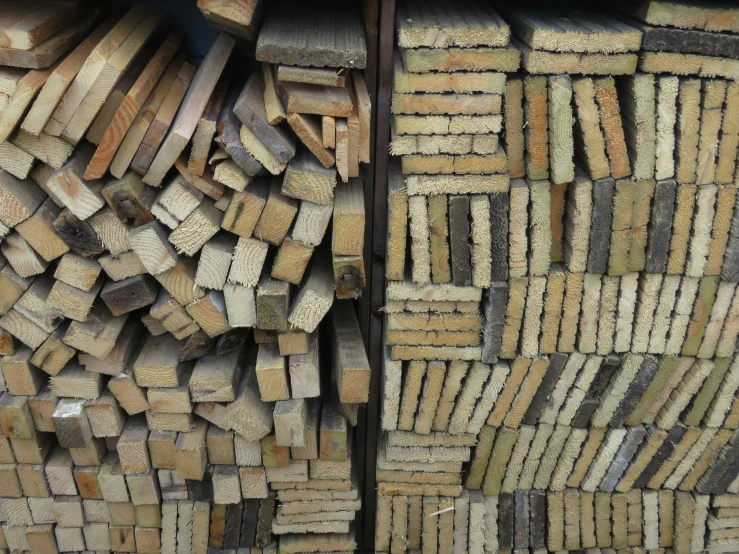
(202, 140)
(684, 41)
(566, 31)
(131, 105)
(24, 27)
(689, 64)
(51, 50)
(458, 82)
(588, 136)
(228, 138)
(240, 17)
(61, 78)
(26, 89)
(157, 130)
(542, 62)
(295, 42)
(91, 69)
(717, 17)
(431, 25)
(124, 58)
(192, 107)
(561, 142)
(249, 108)
(425, 60)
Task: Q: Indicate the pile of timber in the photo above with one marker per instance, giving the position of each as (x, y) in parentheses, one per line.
(683, 38)
(560, 370)
(175, 372)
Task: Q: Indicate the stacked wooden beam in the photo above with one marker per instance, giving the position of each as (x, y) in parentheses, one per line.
(583, 395)
(686, 39)
(175, 372)
(36, 36)
(312, 86)
(450, 183)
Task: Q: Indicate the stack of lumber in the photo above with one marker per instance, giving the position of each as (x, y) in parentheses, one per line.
(575, 42)
(37, 34)
(686, 38)
(176, 373)
(311, 87)
(560, 370)
(722, 525)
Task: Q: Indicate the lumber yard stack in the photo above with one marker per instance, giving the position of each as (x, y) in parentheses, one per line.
(181, 362)
(560, 369)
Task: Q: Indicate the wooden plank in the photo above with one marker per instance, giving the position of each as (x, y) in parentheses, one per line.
(114, 68)
(542, 62)
(143, 120)
(131, 106)
(688, 127)
(535, 133)
(45, 53)
(397, 225)
(419, 233)
(130, 199)
(424, 60)
(245, 209)
(175, 203)
(689, 64)
(277, 216)
(203, 137)
(19, 161)
(26, 90)
(561, 148)
(589, 136)
(241, 18)
(209, 312)
(272, 102)
(315, 296)
(249, 108)
(197, 228)
(61, 78)
(193, 105)
(659, 38)
(105, 116)
(333, 435)
(25, 33)
(667, 90)
(610, 116)
(38, 231)
(351, 367)
(560, 32)
(348, 219)
(82, 197)
(315, 99)
(514, 117)
(152, 248)
(215, 378)
(229, 139)
(271, 372)
(725, 202)
(306, 179)
(161, 123)
(434, 28)
(308, 131)
(603, 195)
(190, 452)
(91, 69)
(299, 46)
(637, 94)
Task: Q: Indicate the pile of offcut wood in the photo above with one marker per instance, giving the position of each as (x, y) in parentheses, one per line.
(560, 369)
(176, 373)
